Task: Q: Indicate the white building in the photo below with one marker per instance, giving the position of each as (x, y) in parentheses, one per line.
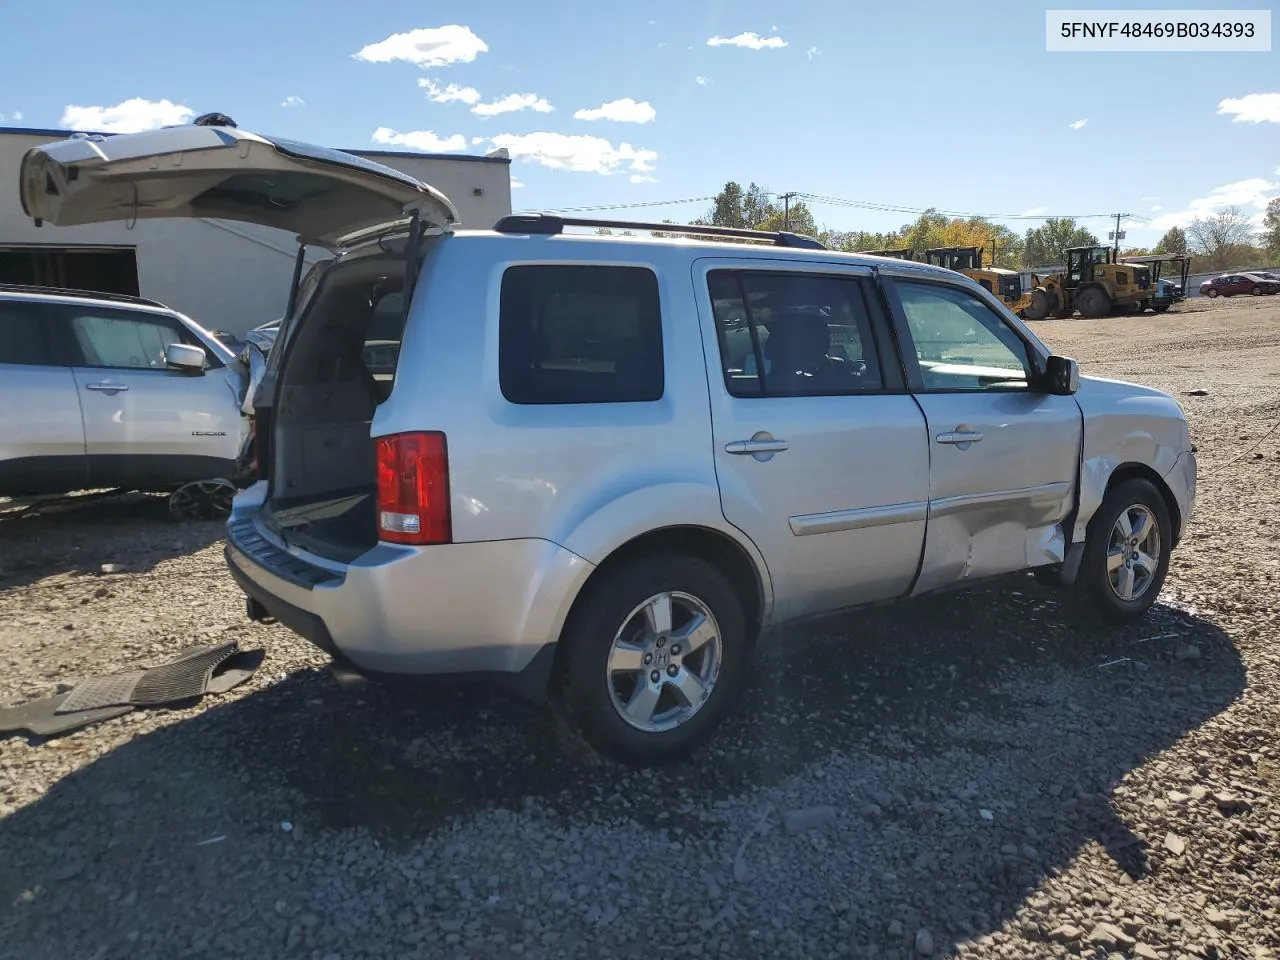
(225, 275)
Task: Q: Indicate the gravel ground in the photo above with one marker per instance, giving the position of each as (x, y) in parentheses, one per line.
(976, 775)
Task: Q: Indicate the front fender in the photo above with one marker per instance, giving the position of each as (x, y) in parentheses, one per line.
(1124, 424)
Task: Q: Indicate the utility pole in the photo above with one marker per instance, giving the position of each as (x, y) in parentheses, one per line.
(1115, 255)
(786, 210)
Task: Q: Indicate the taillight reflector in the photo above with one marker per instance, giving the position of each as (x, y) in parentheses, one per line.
(413, 488)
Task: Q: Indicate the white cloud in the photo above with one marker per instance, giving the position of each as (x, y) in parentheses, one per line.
(516, 184)
(512, 103)
(1150, 199)
(812, 52)
(1254, 108)
(426, 47)
(1078, 124)
(476, 141)
(1157, 208)
(14, 117)
(752, 41)
(642, 178)
(128, 116)
(292, 101)
(1252, 192)
(1035, 211)
(625, 110)
(426, 141)
(579, 153)
(702, 81)
(449, 94)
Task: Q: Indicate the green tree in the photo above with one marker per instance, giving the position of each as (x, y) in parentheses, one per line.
(1271, 228)
(1047, 244)
(1173, 242)
(755, 208)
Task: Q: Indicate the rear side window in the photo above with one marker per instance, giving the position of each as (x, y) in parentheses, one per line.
(27, 335)
(580, 334)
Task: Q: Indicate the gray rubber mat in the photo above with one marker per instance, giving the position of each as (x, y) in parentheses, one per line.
(98, 692)
(184, 679)
(195, 672)
(41, 717)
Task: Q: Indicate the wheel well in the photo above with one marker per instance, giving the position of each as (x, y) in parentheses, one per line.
(1131, 471)
(702, 542)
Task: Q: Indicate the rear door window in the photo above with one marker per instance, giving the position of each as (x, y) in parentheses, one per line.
(580, 334)
(793, 334)
(28, 336)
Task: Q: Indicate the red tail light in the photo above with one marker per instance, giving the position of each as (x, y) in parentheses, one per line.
(413, 488)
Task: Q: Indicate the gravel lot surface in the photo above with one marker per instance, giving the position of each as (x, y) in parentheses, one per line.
(977, 775)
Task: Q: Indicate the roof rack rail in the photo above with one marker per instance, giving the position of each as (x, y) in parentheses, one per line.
(74, 292)
(547, 224)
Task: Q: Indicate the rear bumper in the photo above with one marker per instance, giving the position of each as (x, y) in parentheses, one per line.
(490, 607)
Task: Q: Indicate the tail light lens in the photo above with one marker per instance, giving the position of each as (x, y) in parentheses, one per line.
(413, 489)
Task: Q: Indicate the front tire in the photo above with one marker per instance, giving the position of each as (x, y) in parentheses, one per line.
(1256, 291)
(1126, 554)
(1211, 293)
(1094, 303)
(1041, 305)
(654, 658)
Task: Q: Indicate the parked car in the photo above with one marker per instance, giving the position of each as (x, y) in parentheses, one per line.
(1230, 284)
(573, 477)
(264, 336)
(102, 390)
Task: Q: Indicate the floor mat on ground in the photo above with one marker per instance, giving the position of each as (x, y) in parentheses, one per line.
(195, 672)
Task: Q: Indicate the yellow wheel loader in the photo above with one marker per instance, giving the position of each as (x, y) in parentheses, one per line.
(1005, 284)
(1092, 284)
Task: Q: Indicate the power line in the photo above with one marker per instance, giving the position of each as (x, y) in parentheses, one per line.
(898, 208)
(621, 206)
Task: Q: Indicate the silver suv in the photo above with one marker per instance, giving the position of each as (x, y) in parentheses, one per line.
(604, 466)
(101, 390)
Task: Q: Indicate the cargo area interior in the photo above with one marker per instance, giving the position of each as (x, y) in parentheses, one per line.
(338, 366)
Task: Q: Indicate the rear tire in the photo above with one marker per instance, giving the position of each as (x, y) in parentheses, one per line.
(1126, 553)
(641, 622)
(1094, 303)
(1256, 291)
(1162, 308)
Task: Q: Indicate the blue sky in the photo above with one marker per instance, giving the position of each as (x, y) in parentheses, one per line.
(953, 105)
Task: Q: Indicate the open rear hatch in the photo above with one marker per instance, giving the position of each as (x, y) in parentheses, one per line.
(325, 197)
(317, 396)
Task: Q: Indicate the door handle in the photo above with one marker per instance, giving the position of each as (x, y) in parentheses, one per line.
(107, 387)
(749, 447)
(959, 436)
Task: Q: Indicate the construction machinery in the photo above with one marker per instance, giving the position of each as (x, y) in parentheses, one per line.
(1166, 290)
(1005, 284)
(1093, 284)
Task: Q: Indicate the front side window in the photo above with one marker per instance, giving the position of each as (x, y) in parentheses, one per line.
(130, 341)
(961, 344)
(580, 334)
(792, 334)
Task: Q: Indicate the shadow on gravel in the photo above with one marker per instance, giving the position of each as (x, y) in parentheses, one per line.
(1000, 701)
(78, 535)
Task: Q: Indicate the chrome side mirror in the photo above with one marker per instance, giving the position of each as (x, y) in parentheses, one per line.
(188, 359)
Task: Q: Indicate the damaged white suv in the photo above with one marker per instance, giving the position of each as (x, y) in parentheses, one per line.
(605, 465)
